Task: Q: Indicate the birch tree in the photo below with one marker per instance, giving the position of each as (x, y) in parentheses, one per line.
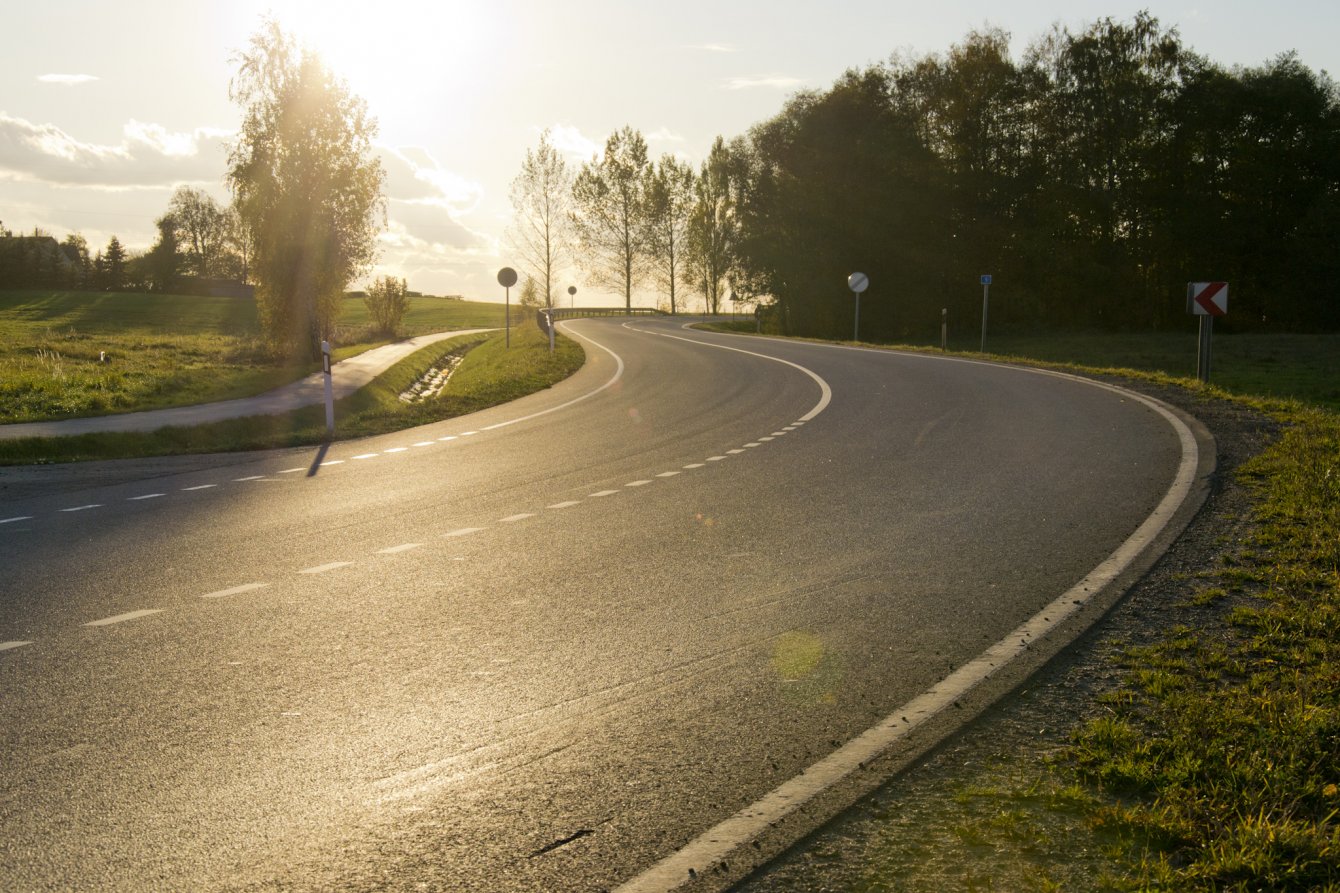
(542, 215)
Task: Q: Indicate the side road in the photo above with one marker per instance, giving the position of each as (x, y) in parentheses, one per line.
(347, 376)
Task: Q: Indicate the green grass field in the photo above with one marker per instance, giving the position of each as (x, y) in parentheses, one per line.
(165, 350)
(490, 374)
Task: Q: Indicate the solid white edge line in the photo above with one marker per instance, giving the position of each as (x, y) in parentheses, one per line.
(16, 518)
(122, 618)
(618, 374)
(6, 646)
(715, 844)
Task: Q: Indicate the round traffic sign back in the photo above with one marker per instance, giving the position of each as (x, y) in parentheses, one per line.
(572, 289)
(507, 277)
(858, 282)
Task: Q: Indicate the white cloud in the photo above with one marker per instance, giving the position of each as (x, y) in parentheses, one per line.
(664, 135)
(772, 82)
(68, 80)
(414, 175)
(150, 156)
(569, 139)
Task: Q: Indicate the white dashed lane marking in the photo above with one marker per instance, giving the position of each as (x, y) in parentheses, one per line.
(398, 450)
(254, 477)
(448, 437)
(423, 443)
(198, 487)
(292, 470)
(82, 508)
(122, 618)
(367, 456)
(765, 439)
(720, 458)
(564, 505)
(731, 452)
(694, 465)
(464, 531)
(469, 433)
(322, 568)
(753, 444)
(403, 547)
(236, 590)
(667, 474)
(520, 516)
(145, 496)
(637, 483)
(604, 493)
(332, 462)
(5, 646)
(16, 518)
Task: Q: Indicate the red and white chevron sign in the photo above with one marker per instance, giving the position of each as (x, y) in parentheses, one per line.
(1207, 298)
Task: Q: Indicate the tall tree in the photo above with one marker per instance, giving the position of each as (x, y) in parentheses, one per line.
(202, 225)
(713, 233)
(164, 261)
(609, 195)
(669, 198)
(306, 183)
(542, 214)
(114, 260)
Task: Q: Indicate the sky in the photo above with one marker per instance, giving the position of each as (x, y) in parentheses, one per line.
(106, 107)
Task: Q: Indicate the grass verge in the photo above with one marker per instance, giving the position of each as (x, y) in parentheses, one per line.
(489, 375)
(166, 350)
(1220, 755)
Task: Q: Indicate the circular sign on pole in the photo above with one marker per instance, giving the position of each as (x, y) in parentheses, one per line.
(572, 289)
(507, 277)
(858, 282)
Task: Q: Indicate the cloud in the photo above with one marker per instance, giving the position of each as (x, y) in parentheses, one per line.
(68, 80)
(414, 175)
(569, 139)
(664, 135)
(149, 156)
(714, 47)
(772, 82)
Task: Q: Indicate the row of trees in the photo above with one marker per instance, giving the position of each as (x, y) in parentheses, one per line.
(626, 220)
(37, 260)
(1092, 179)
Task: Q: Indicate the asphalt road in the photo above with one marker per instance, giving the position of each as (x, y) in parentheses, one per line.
(544, 655)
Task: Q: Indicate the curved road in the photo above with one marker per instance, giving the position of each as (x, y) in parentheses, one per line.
(546, 646)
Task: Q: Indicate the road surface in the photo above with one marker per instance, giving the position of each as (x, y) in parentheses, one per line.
(546, 646)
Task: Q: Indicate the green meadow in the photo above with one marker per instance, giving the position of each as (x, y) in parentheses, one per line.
(166, 350)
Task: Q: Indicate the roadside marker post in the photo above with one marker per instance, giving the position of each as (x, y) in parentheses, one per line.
(1206, 300)
(549, 324)
(944, 328)
(986, 288)
(858, 282)
(507, 279)
(330, 388)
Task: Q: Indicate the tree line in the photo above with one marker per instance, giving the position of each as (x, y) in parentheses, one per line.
(628, 221)
(1092, 179)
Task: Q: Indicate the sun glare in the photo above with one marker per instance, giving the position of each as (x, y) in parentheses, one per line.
(394, 52)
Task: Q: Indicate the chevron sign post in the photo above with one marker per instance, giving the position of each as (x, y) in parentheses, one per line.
(1206, 300)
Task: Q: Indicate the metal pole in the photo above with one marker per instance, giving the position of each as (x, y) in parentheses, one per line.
(1203, 350)
(857, 335)
(985, 288)
(944, 328)
(507, 324)
(330, 389)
